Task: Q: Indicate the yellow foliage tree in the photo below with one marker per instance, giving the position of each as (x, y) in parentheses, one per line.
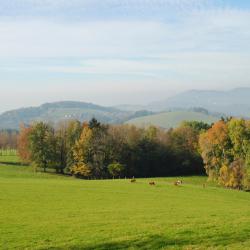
(224, 178)
(237, 174)
(81, 170)
(215, 149)
(246, 181)
(234, 175)
(81, 154)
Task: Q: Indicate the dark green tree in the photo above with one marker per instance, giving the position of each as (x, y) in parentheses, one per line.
(43, 145)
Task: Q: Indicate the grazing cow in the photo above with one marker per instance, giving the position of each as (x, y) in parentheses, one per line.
(152, 183)
(178, 183)
(133, 180)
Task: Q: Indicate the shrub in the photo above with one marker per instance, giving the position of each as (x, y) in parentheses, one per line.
(116, 169)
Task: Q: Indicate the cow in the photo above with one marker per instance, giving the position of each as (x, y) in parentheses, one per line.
(152, 183)
(133, 180)
(178, 183)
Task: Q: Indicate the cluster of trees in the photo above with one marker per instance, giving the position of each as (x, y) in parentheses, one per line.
(95, 150)
(8, 141)
(225, 149)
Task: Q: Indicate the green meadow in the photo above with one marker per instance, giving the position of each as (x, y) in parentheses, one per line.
(48, 211)
(11, 159)
(171, 119)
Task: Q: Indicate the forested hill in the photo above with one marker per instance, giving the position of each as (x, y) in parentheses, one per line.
(67, 110)
(235, 102)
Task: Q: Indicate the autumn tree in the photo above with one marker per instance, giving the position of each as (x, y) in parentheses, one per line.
(237, 174)
(81, 154)
(74, 129)
(81, 170)
(215, 146)
(233, 176)
(224, 176)
(23, 146)
(239, 133)
(100, 149)
(225, 149)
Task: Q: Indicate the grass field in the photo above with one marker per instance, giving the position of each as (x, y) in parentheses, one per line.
(172, 119)
(46, 211)
(12, 159)
(9, 156)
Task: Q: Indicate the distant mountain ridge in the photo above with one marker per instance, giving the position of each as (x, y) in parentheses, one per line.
(234, 102)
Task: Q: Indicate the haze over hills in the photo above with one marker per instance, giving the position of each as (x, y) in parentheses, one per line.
(128, 107)
(235, 102)
(188, 105)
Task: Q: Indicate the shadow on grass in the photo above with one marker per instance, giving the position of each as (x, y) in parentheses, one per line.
(152, 242)
(188, 240)
(11, 163)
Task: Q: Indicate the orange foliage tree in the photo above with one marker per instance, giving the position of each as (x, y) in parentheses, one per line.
(23, 144)
(215, 146)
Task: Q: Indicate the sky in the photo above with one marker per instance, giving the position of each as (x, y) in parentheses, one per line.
(113, 52)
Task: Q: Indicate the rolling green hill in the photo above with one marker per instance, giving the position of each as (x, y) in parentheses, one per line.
(67, 110)
(58, 111)
(172, 119)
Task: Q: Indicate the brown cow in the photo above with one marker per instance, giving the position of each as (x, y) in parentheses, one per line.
(152, 183)
(178, 183)
(133, 180)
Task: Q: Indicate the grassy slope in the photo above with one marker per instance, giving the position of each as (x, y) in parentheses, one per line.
(171, 119)
(42, 211)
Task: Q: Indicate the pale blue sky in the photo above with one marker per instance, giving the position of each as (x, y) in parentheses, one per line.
(113, 51)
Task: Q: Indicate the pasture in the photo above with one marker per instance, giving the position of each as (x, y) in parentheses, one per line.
(171, 119)
(9, 156)
(48, 211)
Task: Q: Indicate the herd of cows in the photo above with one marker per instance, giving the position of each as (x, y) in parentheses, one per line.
(152, 183)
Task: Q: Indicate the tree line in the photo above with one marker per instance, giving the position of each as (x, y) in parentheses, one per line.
(8, 141)
(95, 150)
